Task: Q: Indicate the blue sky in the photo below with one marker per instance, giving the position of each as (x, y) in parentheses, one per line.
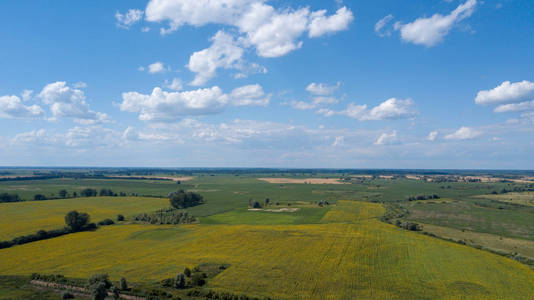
(251, 83)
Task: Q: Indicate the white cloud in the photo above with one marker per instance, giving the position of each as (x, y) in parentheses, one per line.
(320, 24)
(145, 29)
(175, 84)
(302, 105)
(506, 92)
(13, 107)
(390, 109)
(141, 68)
(432, 136)
(464, 133)
(381, 24)
(26, 95)
(65, 101)
(86, 137)
(131, 17)
(223, 53)
(157, 67)
(273, 32)
(431, 31)
(514, 107)
(170, 106)
(387, 138)
(249, 95)
(322, 89)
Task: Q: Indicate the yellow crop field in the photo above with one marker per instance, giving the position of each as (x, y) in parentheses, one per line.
(345, 257)
(20, 218)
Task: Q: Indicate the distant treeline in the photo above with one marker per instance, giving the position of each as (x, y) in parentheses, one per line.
(5, 197)
(64, 194)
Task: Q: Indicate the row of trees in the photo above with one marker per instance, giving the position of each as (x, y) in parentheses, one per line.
(5, 197)
(74, 222)
(423, 197)
(166, 216)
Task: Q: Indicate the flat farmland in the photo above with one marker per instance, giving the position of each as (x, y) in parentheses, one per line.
(350, 255)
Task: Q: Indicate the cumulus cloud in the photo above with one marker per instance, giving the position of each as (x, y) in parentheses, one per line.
(515, 107)
(464, 133)
(249, 95)
(157, 67)
(163, 106)
(320, 24)
(76, 137)
(387, 138)
(430, 31)
(432, 136)
(13, 107)
(26, 95)
(131, 17)
(273, 32)
(322, 89)
(175, 84)
(270, 31)
(223, 53)
(390, 109)
(506, 92)
(65, 101)
(381, 24)
(169, 106)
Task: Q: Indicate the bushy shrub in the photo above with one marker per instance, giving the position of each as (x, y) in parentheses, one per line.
(197, 279)
(179, 281)
(123, 284)
(106, 222)
(120, 218)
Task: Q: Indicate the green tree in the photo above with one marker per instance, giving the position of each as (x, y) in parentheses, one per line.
(181, 199)
(179, 281)
(124, 284)
(187, 272)
(63, 193)
(75, 220)
(98, 286)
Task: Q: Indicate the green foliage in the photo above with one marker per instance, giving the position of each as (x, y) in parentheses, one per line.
(63, 193)
(166, 216)
(187, 272)
(198, 279)
(179, 281)
(106, 222)
(39, 197)
(123, 284)
(181, 199)
(106, 192)
(98, 285)
(88, 192)
(120, 218)
(116, 293)
(5, 197)
(75, 220)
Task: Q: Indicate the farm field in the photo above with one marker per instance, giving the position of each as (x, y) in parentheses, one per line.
(21, 218)
(351, 255)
